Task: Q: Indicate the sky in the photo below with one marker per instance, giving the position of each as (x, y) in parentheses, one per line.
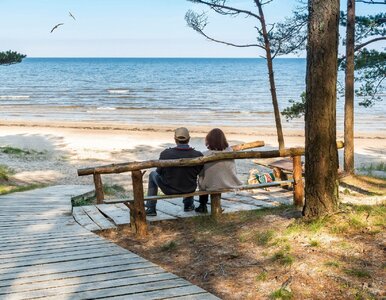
(130, 28)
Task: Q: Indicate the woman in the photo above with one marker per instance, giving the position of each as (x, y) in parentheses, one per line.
(219, 174)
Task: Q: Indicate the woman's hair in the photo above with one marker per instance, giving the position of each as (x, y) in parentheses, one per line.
(216, 140)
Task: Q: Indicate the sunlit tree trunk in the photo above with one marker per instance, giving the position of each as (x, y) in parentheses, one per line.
(276, 110)
(349, 90)
(321, 157)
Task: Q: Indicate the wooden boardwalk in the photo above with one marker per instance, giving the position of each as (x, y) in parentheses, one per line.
(45, 254)
(109, 216)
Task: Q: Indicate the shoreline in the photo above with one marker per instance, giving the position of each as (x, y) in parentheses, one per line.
(197, 129)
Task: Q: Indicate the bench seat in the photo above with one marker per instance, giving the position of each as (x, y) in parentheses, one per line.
(197, 193)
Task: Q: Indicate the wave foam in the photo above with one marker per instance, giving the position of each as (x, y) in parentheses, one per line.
(118, 91)
(14, 97)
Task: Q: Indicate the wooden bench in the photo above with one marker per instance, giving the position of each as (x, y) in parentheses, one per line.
(137, 206)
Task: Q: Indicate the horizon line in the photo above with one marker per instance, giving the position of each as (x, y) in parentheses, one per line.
(163, 57)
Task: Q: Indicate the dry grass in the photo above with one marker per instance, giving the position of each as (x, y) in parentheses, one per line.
(265, 254)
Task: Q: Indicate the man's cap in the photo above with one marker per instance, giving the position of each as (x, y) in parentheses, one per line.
(181, 134)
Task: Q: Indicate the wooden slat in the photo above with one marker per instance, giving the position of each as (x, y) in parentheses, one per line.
(106, 253)
(31, 257)
(97, 217)
(49, 250)
(117, 214)
(90, 278)
(124, 289)
(88, 288)
(70, 266)
(83, 219)
(197, 193)
(184, 293)
(101, 268)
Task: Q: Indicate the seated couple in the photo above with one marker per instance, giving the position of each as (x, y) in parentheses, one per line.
(183, 180)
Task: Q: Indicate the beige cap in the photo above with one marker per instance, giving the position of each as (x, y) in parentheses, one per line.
(181, 134)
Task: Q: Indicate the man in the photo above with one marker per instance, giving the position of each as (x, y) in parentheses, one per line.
(175, 180)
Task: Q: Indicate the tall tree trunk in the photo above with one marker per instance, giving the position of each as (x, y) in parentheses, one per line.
(267, 45)
(349, 90)
(321, 167)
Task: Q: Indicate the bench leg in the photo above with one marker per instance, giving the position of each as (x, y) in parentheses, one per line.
(215, 203)
(139, 215)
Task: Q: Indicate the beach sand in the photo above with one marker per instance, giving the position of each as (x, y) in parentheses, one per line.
(62, 148)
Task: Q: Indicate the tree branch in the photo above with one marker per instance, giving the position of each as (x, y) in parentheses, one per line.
(369, 42)
(371, 1)
(230, 44)
(220, 7)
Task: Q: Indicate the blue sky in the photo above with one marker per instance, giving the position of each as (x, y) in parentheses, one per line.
(128, 28)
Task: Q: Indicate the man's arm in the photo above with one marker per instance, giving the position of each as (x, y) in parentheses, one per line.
(159, 170)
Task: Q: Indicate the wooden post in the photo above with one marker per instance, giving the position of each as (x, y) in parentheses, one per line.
(98, 188)
(298, 182)
(130, 205)
(215, 204)
(139, 214)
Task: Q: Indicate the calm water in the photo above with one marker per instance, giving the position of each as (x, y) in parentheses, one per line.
(158, 90)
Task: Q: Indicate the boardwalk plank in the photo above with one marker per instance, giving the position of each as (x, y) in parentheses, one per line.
(30, 256)
(70, 266)
(94, 278)
(115, 213)
(105, 252)
(89, 287)
(97, 217)
(126, 289)
(80, 275)
(50, 250)
(186, 292)
(83, 219)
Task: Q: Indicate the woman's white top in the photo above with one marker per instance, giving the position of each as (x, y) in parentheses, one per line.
(219, 174)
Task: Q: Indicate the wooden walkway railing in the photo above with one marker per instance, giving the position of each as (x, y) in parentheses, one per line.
(137, 207)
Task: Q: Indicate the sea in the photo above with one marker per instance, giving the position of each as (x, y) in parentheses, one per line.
(164, 91)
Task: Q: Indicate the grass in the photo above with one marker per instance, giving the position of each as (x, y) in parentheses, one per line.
(19, 152)
(8, 189)
(5, 172)
(283, 256)
(170, 246)
(360, 273)
(263, 238)
(262, 276)
(332, 264)
(112, 190)
(374, 167)
(314, 243)
(282, 294)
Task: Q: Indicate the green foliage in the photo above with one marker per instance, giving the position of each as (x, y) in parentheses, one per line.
(370, 68)
(314, 243)
(297, 108)
(5, 172)
(8, 189)
(19, 152)
(262, 276)
(332, 264)
(282, 294)
(264, 237)
(283, 256)
(10, 57)
(360, 273)
(170, 246)
(113, 190)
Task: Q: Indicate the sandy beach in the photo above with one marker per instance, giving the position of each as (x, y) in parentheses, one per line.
(59, 149)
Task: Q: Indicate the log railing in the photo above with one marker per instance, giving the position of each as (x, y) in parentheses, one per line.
(137, 207)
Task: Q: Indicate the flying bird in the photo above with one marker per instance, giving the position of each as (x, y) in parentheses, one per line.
(56, 26)
(71, 15)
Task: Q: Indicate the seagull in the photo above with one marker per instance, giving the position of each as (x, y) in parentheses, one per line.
(71, 15)
(56, 26)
